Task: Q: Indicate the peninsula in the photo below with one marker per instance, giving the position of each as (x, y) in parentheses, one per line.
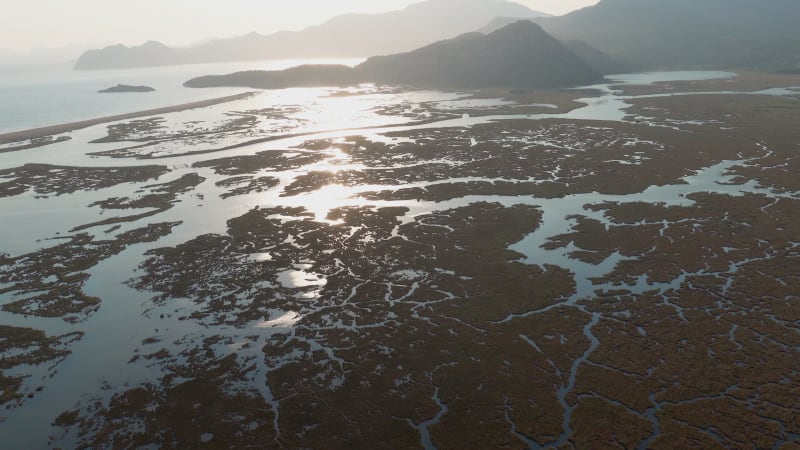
(521, 55)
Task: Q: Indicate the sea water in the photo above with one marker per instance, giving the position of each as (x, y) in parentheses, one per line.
(34, 96)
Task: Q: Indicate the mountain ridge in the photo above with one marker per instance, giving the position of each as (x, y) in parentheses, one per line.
(688, 34)
(344, 36)
(511, 56)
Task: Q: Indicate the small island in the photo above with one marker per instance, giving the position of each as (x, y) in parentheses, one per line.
(126, 88)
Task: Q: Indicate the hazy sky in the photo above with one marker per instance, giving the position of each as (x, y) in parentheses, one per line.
(27, 24)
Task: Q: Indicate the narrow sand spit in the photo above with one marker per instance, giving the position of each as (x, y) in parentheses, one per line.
(42, 132)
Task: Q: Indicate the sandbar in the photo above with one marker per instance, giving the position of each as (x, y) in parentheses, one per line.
(51, 130)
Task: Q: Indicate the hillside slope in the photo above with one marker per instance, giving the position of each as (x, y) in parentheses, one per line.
(518, 55)
(678, 34)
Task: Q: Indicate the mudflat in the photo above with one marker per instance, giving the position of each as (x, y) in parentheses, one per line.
(478, 273)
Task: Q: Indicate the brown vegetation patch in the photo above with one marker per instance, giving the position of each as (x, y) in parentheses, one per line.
(196, 404)
(547, 158)
(22, 349)
(272, 161)
(160, 198)
(49, 282)
(47, 180)
(742, 82)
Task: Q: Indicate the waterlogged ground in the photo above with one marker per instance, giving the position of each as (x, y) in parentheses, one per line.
(617, 266)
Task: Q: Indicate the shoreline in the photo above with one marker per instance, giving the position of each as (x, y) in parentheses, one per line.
(52, 130)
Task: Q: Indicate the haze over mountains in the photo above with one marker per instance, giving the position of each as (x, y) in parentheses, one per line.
(351, 35)
(638, 34)
(518, 55)
(60, 54)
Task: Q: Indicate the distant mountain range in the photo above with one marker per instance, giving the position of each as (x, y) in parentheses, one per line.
(637, 34)
(521, 54)
(686, 34)
(352, 35)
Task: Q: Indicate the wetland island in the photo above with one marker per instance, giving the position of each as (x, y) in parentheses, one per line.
(487, 242)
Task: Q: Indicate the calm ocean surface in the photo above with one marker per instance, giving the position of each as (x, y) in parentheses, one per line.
(41, 95)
